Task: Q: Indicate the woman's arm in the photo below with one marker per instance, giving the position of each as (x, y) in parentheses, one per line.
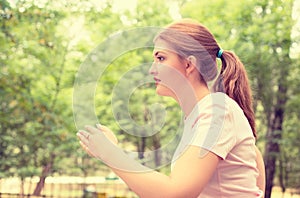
(189, 176)
(261, 180)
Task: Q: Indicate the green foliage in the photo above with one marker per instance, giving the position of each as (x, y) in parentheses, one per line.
(44, 43)
(42, 46)
(36, 120)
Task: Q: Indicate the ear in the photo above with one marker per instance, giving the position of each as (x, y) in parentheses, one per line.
(190, 65)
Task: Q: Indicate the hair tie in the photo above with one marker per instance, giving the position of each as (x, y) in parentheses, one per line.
(219, 54)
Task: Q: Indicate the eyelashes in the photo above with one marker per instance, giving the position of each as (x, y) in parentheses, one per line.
(160, 58)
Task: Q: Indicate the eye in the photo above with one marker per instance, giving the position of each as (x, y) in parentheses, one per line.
(160, 58)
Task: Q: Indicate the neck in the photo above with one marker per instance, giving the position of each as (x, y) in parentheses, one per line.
(188, 103)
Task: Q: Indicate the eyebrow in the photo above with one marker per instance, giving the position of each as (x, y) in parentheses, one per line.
(158, 52)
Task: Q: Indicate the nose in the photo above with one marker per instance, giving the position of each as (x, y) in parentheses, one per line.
(153, 69)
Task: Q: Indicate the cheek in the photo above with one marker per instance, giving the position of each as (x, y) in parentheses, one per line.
(171, 76)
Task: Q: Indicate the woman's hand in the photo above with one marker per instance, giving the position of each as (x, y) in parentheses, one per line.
(98, 142)
(108, 133)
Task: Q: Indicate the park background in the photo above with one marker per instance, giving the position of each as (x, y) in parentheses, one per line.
(43, 43)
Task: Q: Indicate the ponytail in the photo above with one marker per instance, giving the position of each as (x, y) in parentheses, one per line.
(188, 37)
(233, 81)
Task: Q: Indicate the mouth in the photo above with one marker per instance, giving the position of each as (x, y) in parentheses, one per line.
(157, 80)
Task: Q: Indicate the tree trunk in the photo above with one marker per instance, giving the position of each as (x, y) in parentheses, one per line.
(40, 185)
(274, 135)
(156, 145)
(141, 147)
(282, 172)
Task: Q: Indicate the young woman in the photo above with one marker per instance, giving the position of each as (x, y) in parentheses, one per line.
(217, 156)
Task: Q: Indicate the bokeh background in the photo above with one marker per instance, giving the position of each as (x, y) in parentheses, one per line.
(43, 43)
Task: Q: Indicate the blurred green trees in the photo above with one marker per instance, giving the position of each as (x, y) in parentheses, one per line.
(43, 44)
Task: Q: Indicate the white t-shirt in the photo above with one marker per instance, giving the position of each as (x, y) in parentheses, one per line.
(218, 125)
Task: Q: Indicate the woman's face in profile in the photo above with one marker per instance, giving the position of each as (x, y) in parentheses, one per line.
(168, 70)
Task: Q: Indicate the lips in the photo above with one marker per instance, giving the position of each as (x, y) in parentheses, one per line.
(157, 80)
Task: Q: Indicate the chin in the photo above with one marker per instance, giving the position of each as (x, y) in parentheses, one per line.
(160, 93)
(163, 91)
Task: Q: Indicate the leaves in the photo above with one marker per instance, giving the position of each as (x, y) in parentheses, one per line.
(44, 43)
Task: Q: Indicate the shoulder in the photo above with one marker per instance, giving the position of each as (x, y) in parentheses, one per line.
(214, 130)
(221, 104)
(216, 104)
(214, 110)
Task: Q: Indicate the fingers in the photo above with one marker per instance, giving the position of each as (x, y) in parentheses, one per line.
(92, 130)
(84, 137)
(94, 140)
(99, 126)
(102, 128)
(86, 149)
(108, 133)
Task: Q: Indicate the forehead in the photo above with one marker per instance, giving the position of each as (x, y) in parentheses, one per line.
(161, 45)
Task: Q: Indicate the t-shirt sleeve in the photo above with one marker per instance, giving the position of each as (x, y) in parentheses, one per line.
(214, 130)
